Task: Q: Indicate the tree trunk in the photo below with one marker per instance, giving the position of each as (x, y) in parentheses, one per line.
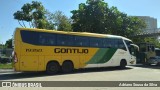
(23, 24)
(32, 24)
(20, 23)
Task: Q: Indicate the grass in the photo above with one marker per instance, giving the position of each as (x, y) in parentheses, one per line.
(6, 66)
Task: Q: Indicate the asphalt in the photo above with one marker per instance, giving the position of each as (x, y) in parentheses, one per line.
(131, 73)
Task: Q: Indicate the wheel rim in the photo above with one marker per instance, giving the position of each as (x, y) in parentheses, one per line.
(53, 68)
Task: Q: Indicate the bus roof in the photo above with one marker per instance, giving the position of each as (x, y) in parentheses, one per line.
(76, 33)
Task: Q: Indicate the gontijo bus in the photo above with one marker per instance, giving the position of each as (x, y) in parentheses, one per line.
(53, 51)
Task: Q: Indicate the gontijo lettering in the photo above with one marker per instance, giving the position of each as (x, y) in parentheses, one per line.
(70, 50)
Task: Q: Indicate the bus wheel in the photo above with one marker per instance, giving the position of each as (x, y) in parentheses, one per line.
(123, 64)
(52, 68)
(67, 67)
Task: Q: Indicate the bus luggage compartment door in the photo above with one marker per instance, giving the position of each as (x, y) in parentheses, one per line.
(29, 63)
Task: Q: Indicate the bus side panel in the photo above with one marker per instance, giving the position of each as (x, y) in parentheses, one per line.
(101, 58)
(91, 58)
(91, 62)
(81, 61)
(41, 63)
(119, 55)
(29, 63)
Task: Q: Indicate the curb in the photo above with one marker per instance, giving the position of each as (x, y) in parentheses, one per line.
(6, 70)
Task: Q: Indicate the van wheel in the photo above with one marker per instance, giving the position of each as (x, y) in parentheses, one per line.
(52, 68)
(158, 64)
(67, 67)
(123, 64)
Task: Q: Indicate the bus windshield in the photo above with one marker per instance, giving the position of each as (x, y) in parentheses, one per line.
(132, 47)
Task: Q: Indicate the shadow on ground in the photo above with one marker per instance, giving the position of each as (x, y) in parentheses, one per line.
(147, 66)
(21, 75)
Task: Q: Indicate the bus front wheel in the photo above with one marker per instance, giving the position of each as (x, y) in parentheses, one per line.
(52, 68)
(123, 64)
(67, 67)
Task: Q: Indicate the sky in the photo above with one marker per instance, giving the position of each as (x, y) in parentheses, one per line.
(130, 7)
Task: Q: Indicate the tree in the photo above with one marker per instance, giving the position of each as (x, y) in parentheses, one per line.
(90, 17)
(152, 40)
(96, 17)
(34, 13)
(38, 17)
(62, 22)
(8, 43)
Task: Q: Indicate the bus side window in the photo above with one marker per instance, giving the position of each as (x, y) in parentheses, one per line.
(121, 45)
(116, 42)
(106, 43)
(30, 37)
(93, 42)
(71, 40)
(81, 41)
(65, 40)
(47, 39)
(62, 40)
(41, 40)
(111, 43)
(100, 42)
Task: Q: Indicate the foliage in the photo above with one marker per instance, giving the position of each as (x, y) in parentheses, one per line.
(62, 22)
(1, 46)
(8, 43)
(38, 17)
(34, 13)
(152, 40)
(96, 17)
(6, 66)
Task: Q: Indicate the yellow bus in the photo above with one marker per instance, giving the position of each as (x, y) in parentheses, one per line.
(53, 51)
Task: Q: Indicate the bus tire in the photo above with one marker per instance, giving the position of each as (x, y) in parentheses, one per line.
(52, 67)
(67, 67)
(123, 64)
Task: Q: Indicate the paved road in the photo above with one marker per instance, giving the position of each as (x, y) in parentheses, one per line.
(131, 73)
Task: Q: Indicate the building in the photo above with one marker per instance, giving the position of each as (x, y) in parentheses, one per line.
(6, 51)
(150, 22)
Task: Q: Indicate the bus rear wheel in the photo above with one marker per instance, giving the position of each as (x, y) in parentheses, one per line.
(123, 64)
(52, 68)
(67, 67)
